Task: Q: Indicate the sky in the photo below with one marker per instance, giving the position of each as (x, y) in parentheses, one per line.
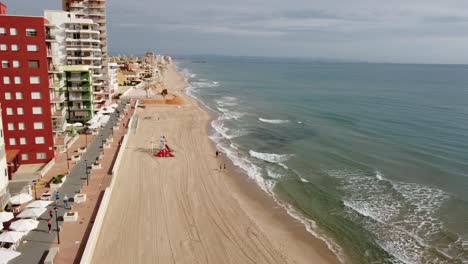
(400, 31)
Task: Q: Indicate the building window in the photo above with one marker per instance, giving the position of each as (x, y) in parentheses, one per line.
(24, 156)
(5, 64)
(16, 64)
(7, 96)
(3, 47)
(31, 32)
(33, 64)
(23, 141)
(21, 126)
(40, 140)
(37, 110)
(34, 80)
(19, 96)
(33, 48)
(9, 111)
(6, 80)
(2, 31)
(11, 126)
(41, 156)
(12, 141)
(20, 111)
(17, 80)
(14, 47)
(36, 95)
(38, 125)
(13, 31)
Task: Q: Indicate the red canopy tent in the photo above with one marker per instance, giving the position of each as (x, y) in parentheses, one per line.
(163, 153)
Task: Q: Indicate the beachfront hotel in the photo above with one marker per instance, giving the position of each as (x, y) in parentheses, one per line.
(96, 11)
(26, 96)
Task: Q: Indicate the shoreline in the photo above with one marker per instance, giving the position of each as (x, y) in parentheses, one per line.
(257, 202)
(184, 210)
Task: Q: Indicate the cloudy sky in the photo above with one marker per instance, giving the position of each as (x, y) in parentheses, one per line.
(423, 31)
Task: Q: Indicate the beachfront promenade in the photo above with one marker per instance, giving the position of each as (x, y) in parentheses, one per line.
(37, 243)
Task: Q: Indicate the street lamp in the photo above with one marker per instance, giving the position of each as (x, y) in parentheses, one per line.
(35, 192)
(56, 222)
(86, 135)
(87, 173)
(68, 163)
(102, 143)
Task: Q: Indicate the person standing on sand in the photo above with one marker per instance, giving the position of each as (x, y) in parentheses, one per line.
(49, 224)
(217, 153)
(220, 167)
(51, 213)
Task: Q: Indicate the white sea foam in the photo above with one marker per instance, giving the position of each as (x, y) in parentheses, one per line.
(282, 165)
(274, 173)
(206, 84)
(401, 215)
(273, 121)
(230, 114)
(225, 132)
(303, 180)
(271, 157)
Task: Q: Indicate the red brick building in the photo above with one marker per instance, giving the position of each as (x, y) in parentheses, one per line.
(25, 58)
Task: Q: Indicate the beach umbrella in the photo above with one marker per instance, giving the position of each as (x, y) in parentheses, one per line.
(21, 198)
(11, 236)
(6, 216)
(7, 255)
(39, 204)
(32, 213)
(24, 225)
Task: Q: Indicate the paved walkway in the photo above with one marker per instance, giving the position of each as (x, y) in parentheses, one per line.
(36, 244)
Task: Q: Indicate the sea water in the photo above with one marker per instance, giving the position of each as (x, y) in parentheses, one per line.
(372, 158)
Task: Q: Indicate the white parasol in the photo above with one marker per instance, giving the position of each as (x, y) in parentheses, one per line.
(32, 213)
(20, 198)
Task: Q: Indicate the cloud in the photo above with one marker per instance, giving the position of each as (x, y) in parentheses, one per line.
(359, 29)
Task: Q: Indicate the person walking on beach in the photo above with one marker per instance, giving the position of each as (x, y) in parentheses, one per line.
(65, 201)
(217, 153)
(51, 213)
(49, 224)
(220, 167)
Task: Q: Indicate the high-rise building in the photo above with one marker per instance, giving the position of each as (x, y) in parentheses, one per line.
(25, 94)
(78, 44)
(80, 100)
(4, 191)
(96, 11)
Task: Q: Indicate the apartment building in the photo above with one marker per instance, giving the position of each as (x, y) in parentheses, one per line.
(96, 11)
(80, 100)
(78, 44)
(113, 70)
(25, 94)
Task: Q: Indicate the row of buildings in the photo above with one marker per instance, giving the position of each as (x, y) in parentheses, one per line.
(54, 72)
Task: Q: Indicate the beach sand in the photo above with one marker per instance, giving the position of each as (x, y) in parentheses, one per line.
(185, 210)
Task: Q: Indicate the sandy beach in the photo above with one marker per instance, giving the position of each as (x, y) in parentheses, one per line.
(184, 209)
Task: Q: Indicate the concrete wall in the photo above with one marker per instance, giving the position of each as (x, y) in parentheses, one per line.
(99, 220)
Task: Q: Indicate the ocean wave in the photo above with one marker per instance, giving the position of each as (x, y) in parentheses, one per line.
(273, 121)
(225, 132)
(229, 114)
(271, 157)
(303, 180)
(402, 216)
(206, 84)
